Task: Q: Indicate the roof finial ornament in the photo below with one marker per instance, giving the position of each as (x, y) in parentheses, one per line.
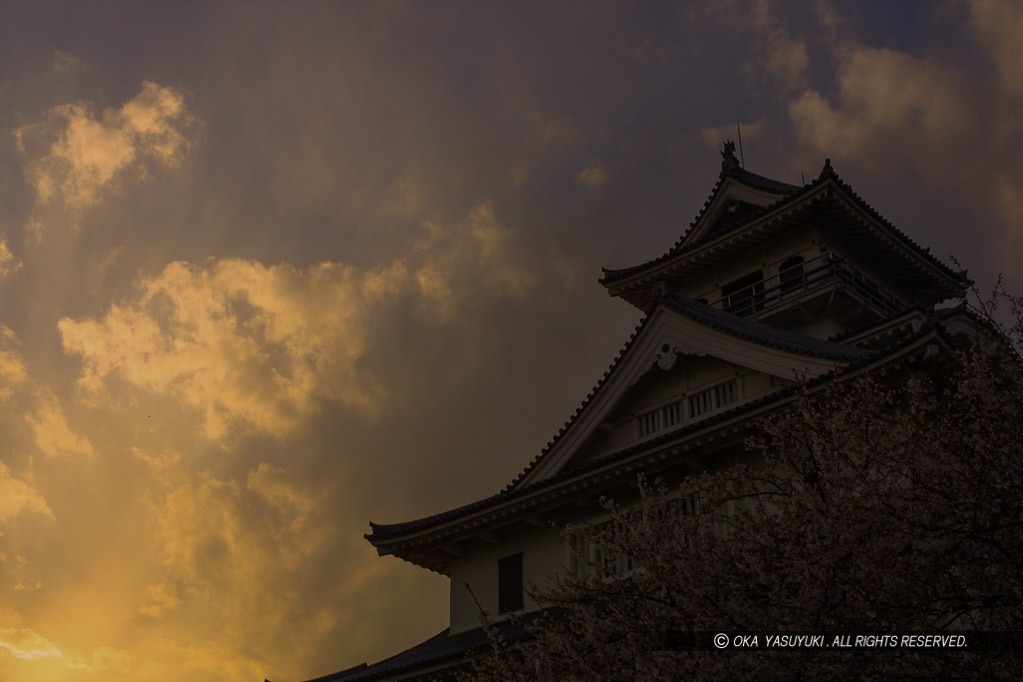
(827, 171)
(728, 160)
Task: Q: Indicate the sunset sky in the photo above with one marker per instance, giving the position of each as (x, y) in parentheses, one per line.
(269, 271)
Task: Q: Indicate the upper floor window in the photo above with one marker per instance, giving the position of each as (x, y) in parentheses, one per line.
(791, 274)
(712, 399)
(745, 295)
(662, 418)
(509, 583)
(683, 409)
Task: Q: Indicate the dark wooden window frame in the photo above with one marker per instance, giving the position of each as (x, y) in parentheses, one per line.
(791, 274)
(510, 585)
(745, 295)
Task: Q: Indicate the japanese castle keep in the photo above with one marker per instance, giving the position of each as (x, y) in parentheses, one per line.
(772, 283)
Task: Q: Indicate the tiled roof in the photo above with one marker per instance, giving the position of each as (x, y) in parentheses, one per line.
(761, 333)
(701, 312)
(439, 649)
(444, 648)
(749, 214)
(586, 401)
(718, 319)
(827, 172)
(727, 322)
(793, 194)
(741, 214)
(387, 531)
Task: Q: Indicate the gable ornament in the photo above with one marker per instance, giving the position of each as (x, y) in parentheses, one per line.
(668, 356)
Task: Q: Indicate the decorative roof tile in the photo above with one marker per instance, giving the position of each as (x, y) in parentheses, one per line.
(704, 314)
(748, 215)
(792, 194)
(719, 319)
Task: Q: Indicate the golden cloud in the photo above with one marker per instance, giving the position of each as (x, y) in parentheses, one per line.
(999, 25)
(26, 644)
(780, 55)
(18, 575)
(592, 175)
(73, 155)
(53, 436)
(881, 91)
(27, 401)
(17, 496)
(36, 657)
(260, 346)
(240, 341)
(64, 64)
(8, 263)
(272, 485)
(551, 128)
(221, 543)
(164, 597)
(12, 368)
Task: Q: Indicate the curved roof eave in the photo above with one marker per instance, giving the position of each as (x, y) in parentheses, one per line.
(385, 533)
(717, 319)
(740, 175)
(681, 249)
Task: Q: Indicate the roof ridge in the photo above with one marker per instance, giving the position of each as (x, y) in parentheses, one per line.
(376, 527)
(728, 170)
(856, 364)
(827, 174)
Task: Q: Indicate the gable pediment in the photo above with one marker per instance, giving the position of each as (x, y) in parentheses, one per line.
(733, 204)
(702, 348)
(664, 400)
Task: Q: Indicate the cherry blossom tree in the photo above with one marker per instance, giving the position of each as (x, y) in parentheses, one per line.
(882, 503)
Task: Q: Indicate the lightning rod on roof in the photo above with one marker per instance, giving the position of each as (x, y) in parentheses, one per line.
(742, 160)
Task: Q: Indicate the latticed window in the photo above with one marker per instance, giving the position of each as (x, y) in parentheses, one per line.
(649, 423)
(674, 413)
(712, 399)
(662, 418)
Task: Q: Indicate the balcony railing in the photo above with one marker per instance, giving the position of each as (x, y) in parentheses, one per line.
(812, 275)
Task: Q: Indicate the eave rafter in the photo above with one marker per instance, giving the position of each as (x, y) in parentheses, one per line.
(635, 287)
(835, 201)
(554, 479)
(433, 548)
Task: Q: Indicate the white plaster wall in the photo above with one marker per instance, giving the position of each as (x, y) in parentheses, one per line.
(758, 384)
(543, 555)
(765, 257)
(704, 372)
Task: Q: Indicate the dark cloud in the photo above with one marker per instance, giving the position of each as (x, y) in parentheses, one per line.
(268, 272)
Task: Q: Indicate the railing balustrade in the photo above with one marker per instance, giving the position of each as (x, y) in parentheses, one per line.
(816, 273)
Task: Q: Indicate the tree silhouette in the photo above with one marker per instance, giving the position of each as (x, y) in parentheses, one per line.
(885, 503)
